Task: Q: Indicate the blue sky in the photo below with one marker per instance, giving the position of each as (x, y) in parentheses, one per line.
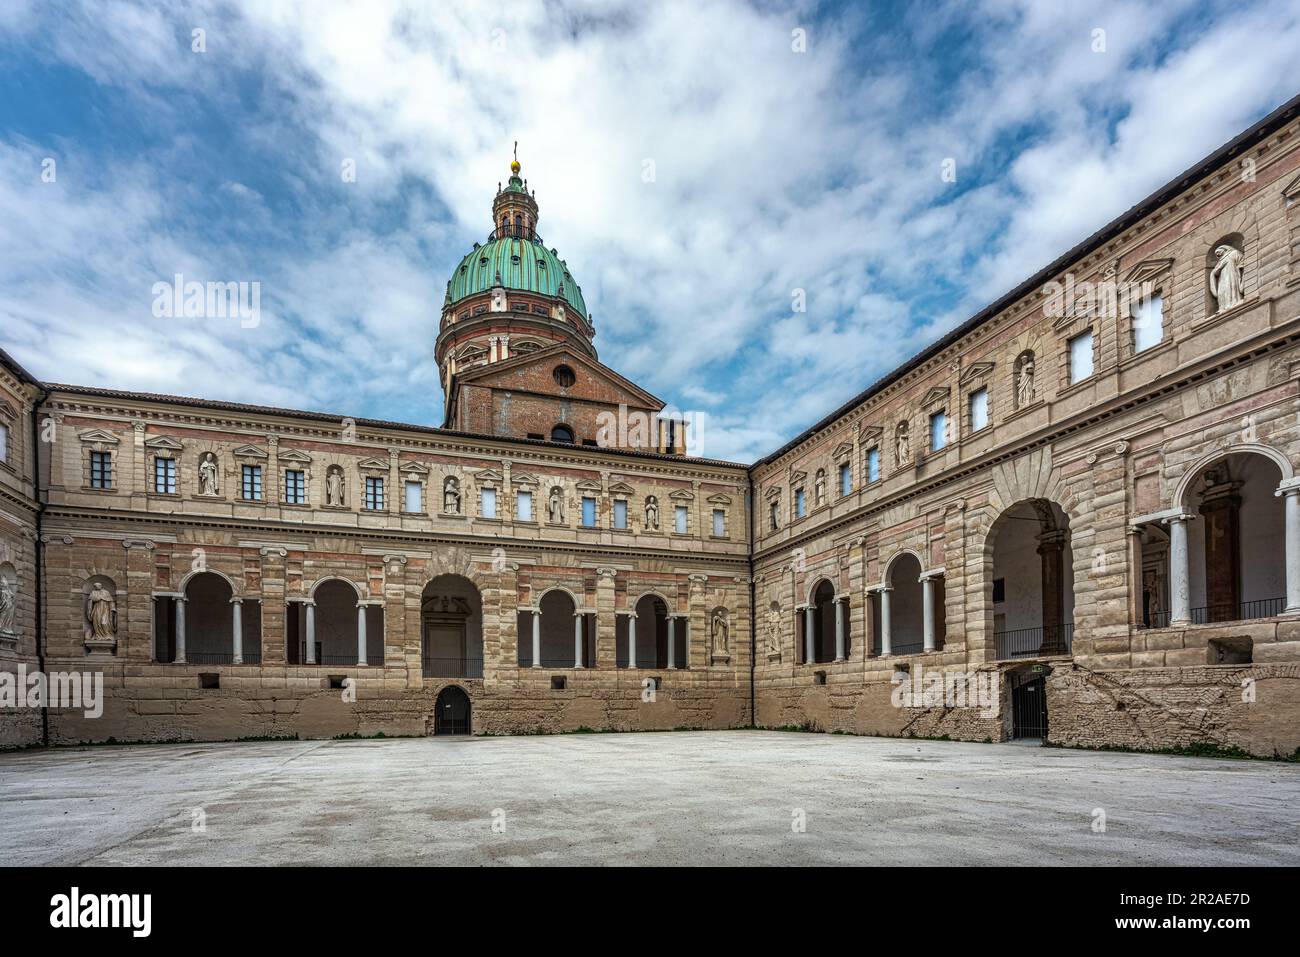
(775, 170)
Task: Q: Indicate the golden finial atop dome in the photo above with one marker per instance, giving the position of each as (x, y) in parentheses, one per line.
(514, 163)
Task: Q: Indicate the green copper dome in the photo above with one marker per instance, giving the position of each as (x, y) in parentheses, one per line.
(522, 264)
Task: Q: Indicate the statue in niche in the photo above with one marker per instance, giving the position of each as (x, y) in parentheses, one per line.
(1226, 277)
(720, 631)
(334, 486)
(774, 629)
(902, 447)
(555, 506)
(101, 612)
(209, 475)
(451, 496)
(819, 488)
(651, 512)
(8, 605)
(1025, 381)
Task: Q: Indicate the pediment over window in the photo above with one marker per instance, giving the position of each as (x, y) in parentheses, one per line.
(622, 488)
(798, 477)
(1292, 193)
(523, 478)
(487, 475)
(373, 465)
(870, 433)
(414, 468)
(294, 456)
(773, 493)
(249, 452)
(935, 396)
(719, 499)
(976, 371)
(163, 443)
(587, 485)
(98, 437)
(681, 495)
(1149, 270)
(7, 410)
(842, 450)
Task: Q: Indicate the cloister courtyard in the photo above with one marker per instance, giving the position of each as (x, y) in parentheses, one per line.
(724, 797)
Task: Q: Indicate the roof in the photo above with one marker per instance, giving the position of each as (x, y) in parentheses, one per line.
(10, 363)
(524, 264)
(1261, 130)
(497, 369)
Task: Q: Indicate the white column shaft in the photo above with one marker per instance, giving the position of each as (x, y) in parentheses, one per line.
(537, 639)
(577, 641)
(180, 630)
(885, 634)
(809, 651)
(631, 641)
(1292, 500)
(672, 642)
(311, 634)
(839, 629)
(361, 634)
(237, 632)
(1180, 601)
(927, 612)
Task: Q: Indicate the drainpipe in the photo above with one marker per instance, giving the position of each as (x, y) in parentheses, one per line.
(753, 610)
(39, 592)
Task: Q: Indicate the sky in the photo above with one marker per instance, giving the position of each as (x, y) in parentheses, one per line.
(703, 168)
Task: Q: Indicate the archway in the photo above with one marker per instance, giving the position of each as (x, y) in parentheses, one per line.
(823, 603)
(209, 620)
(906, 606)
(564, 639)
(452, 711)
(1030, 588)
(451, 628)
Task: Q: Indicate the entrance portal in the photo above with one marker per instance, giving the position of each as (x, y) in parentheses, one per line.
(1029, 709)
(451, 711)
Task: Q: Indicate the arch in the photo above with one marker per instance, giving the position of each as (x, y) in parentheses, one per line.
(452, 711)
(1209, 458)
(562, 433)
(554, 620)
(822, 601)
(655, 593)
(1028, 593)
(651, 610)
(209, 618)
(336, 623)
(451, 628)
(903, 578)
(902, 553)
(357, 589)
(189, 577)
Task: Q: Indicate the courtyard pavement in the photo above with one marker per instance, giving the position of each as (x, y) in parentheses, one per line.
(727, 797)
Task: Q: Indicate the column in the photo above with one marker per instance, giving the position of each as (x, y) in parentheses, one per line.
(672, 641)
(631, 641)
(1051, 548)
(237, 631)
(180, 630)
(577, 639)
(1180, 602)
(537, 638)
(361, 635)
(1291, 498)
(885, 635)
(809, 651)
(839, 629)
(310, 639)
(927, 612)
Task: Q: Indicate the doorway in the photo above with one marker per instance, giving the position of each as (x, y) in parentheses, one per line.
(1029, 709)
(451, 711)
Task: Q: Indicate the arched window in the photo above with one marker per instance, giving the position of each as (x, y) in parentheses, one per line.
(555, 636)
(562, 433)
(1031, 590)
(451, 628)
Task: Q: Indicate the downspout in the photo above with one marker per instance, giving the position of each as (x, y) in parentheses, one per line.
(39, 592)
(753, 608)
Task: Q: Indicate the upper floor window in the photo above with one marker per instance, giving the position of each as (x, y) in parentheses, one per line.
(620, 513)
(873, 465)
(979, 409)
(251, 488)
(374, 499)
(774, 515)
(563, 376)
(295, 487)
(4, 443)
(1080, 357)
(680, 516)
(846, 478)
(938, 431)
(800, 503)
(719, 523)
(488, 503)
(1148, 323)
(101, 469)
(524, 506)
(164, 476)
(588, 511)
(414, 498)
(562, 433)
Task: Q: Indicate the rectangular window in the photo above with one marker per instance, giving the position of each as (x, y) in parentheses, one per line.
(979, 409)
(488, 503)
(873, 465)
(4, 443)
(719, 523)
(681, 517)
(800, 503)
(775, 515)
(620, 513)
(1080, 357)
(101, 469)
(252, 485)
(295, 487)
(164, 476)
(1148, 323)
(524, 506)
(588, 511)
(846, 479)
(414, 496)
(374, 493)
(938, 431)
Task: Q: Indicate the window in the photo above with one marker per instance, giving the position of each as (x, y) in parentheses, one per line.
(488, 503)
(164, 476)
(1148, 323)
(873, 465)
(414, 499)
(374, 493)
(101, 469)
(1080, 357)
(938, 431)
(562, 433)
(524, 506)
(774, 515)
(4, 443)
(800, 503)
(846, 478)
(620, 513)
(252, 483)
(979, 409)
(295, 487)
(564, 376)
(719, 523)
(680, 518)
(588, 511)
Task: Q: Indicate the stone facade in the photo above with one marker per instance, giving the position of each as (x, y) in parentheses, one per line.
(1076, 516)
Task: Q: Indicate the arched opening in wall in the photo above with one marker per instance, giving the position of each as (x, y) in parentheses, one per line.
(451, 711)
(652, 635)
(906, 607)
(823, 603)
(562, 433)
(336, 622)
(563, 638)
(451, 628)
(1236, 541)
(1031, 581)
(209, 620)
(1153, 577)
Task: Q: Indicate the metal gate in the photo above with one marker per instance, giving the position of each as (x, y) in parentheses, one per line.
(451, 712)
(1029, 709)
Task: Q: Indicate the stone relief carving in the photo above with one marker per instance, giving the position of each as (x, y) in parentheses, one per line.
(1025, 380)
(334, 486)
(1226, 277)
(555, 506)
(451, 495)
(902, 447)
(720, 633)
(773, 630)
(651, 512)
(819, 487)
(101, 613)
(209, 475)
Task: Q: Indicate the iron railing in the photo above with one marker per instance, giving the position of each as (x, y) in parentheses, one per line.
(1210, 614)
(1034, 642)
(515, 232)
(453, 667)
(221, 658)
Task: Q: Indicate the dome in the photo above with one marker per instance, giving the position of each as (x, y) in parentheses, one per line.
(522, 264)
